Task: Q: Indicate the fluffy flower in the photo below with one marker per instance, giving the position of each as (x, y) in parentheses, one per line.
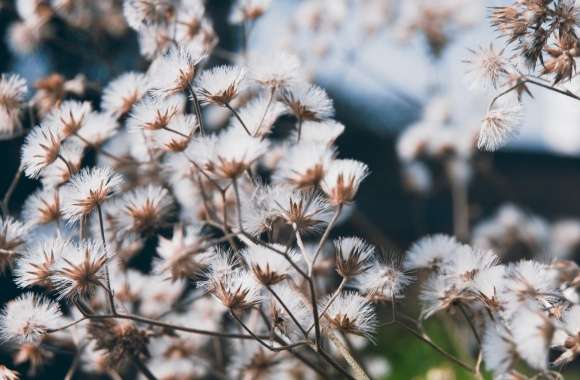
(123, 92)
(29, 317)
(487, 67)
(235, 152)
(437, 294)
(322, 132)
(498, 349)
(498, 125)
(248, 10)
(36, 267)
(174, 72)
(275, 70)
(144, 209)
(342, 180)
(532, 333)
(307, 102)
(268, 267)
(353, 256)
(69, 162)
(41, 148)
(140, 13)
(466, 263)
(13, 89)
(177, 135)
(154, 113)
(304, 164)
(352, 314)
(97, 128)
(382, 282)
(219, 85)
(12, 235)
(431, 252)
(181, 256)
(88, 190)
(236, 289)
(79, 270)
(43, 206)
(69, 117)
(258, 116)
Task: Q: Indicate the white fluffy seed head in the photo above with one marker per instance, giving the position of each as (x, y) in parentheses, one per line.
(259, 116)
(352, 314)
(431, 252)
(144, 209)
(28, 317)
(487, 68)
(235, 152)
(322, 132)
(174, 72)
(383, 282)
(269, 267)
(153, 113)
(276, 70)
(123, 92)
(69, 117)
(88, 190)
(36, 267)
(342, 180)
(307, 102)
(177, 135)
(78, 272)
(532, 333)
(219, 85)
(97, 128)
(41, 148)
(43, 206)
(499, 124)
(304, 165)
(353, 256)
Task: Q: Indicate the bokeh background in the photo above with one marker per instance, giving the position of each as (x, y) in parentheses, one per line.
(380, 81)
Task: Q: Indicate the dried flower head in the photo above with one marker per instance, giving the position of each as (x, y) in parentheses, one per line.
(177, 134)
(487, 68)
(36, 267)
(259, 116)
(352, 314)
(321, 132)
(123, 92)
(304, 164)
(29, 317)
(97, 128)
(43, 206)
(182, 256)
(431, 252)
(69, 117)
(235, 152)
(144, 209)
(353, 256)
(275, 70)
(79, 270)
(269, 267)
(12, 238)
(248, 10)
(13, 89)
(174, 72)
(152, 114)
(141, 13)
(498, 125)
(532, 333)
(41, 148)
(219, 85)
(383, 282)
(307, 102)
(342, 180)
(88, 190)
(236, 289)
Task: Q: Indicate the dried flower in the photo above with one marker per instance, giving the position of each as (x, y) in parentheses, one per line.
(28, 317)
(88, 190)
(498, 125)
(342, 180)
(41, 148)
(69, 117)
(352, 314)
(43, 206)
(12, 235)
(219, 85)
(123, 92)
(304, 165)
(307, 102)
(269, 267)
(487, 67)
(353, 256)
(174, 72)
(144, 209)
(36, 267)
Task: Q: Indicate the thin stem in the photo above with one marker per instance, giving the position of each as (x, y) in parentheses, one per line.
(325, 236)
(360, 373)
(153, 322)
(197, 109)
(271, 99)
(238, 203)
(69, 168)
(10, 191)
(237, 115)
(425, 338)
(107, 275)
(176, 132)
(142, 367)
(332, 299)
(470, 323)
(300, 121)
(73, 323)
(261, 341)
(74, 365)
(287, 310)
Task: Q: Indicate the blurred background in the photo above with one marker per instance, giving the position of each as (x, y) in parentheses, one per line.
(384, 62)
